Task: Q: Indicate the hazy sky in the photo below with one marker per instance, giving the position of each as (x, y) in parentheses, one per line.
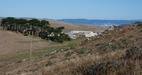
(60, 9)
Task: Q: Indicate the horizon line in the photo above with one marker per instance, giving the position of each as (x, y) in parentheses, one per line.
(69, 18)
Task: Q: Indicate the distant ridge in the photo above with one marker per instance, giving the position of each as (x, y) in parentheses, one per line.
(68, 26)
(98, 22)
(90, 21)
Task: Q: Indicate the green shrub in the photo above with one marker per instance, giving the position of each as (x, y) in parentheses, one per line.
(83, 51)
(103, 68)
(61, 38)
(133, 53)
(106, 47)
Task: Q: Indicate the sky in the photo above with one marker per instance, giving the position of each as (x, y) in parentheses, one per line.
(73, 9)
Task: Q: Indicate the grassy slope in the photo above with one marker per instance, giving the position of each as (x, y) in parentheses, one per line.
(12, 42)
(103, 53)
(15, 46)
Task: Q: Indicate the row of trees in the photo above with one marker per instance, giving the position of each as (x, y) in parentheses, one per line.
(34, 27)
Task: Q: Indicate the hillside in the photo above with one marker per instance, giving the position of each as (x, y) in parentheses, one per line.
(115, 52)
(12, 42)
(70, 26)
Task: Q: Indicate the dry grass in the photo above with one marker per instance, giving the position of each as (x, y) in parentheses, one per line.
(11, 43)
(72, 66)
(128, 58)
(117, 52)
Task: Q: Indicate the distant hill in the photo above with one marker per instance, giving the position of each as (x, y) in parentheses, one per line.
(98, 22)
(69, 26)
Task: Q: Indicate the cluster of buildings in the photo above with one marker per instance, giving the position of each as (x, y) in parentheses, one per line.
(75, 34)
(87, 34)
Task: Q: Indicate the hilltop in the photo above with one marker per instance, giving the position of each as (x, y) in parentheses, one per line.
(114, 52)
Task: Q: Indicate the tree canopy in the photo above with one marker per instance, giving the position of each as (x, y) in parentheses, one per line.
(35, 27)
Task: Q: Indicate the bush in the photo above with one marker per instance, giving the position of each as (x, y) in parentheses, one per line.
(43, 35)
(83, 51)
(106, 47)
(139, 23)
(133, 53)
(102, 48)
(61, 38)
(104, 68)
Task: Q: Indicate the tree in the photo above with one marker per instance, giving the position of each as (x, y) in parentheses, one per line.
(4, 23)
(22, 25)
(33, 25)
(60, 29)
(8, 23)
(43, 23)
